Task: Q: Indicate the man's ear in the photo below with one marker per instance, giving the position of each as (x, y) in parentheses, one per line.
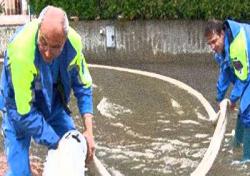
(222, 33)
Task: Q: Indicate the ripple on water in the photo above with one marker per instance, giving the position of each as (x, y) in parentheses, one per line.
(111, 110)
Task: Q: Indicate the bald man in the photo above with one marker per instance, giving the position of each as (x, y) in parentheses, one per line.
(42, 63)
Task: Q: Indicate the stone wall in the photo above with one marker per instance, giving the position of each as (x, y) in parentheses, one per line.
(139, 40)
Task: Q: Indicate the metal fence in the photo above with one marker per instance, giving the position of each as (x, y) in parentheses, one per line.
(13, 7)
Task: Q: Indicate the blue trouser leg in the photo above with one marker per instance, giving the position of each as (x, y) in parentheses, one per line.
(246, 144)
(18, 132)
(245, 119)
(238, 137)
(17, 141)
(17, 151)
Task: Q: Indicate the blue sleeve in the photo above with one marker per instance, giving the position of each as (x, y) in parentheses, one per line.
(218, 58)
(237, 90)
(34, 124)
(83, 94)
(223, 83)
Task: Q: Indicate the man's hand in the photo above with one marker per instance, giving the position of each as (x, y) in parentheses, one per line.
(232, 106)
(88, 133)
(91, 146)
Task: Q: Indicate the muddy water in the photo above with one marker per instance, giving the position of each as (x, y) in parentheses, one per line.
(145, 126)
(148, 127)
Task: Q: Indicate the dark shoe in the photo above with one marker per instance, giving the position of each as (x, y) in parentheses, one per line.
(246, 145)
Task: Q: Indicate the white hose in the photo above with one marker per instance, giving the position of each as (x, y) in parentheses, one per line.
(214, 147)
(96, 168)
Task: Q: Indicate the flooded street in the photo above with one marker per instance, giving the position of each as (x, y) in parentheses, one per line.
(150, 127)
(146, 126)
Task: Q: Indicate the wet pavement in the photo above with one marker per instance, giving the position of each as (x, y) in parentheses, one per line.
(200, 74)
(198, 71)
(145, 126)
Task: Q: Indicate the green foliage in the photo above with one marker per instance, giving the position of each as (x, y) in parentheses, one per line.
(1, 6)
(85, 9)
(109, 8)
(149, 9)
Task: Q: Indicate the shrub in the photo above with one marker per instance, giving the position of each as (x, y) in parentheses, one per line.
(149, 9)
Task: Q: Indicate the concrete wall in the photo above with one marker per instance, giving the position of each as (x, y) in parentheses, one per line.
(5, 33)
(138, 40)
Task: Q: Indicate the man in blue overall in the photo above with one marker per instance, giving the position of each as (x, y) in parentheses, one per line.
(230, 42)
(42, 63)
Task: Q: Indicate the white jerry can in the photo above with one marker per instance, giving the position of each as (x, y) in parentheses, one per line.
(69, 158)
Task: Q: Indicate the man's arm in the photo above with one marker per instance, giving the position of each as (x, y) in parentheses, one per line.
(82, 86)
(88, 133)
(236, 92)
(223, 84)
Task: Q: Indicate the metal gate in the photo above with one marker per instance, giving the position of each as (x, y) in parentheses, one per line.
(13, 7)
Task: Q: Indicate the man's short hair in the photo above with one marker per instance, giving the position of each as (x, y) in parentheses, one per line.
(213, 26)
(65, 20)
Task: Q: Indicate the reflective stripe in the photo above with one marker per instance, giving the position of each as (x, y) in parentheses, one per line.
(238, 55)
(21, 53)
(79, 60)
